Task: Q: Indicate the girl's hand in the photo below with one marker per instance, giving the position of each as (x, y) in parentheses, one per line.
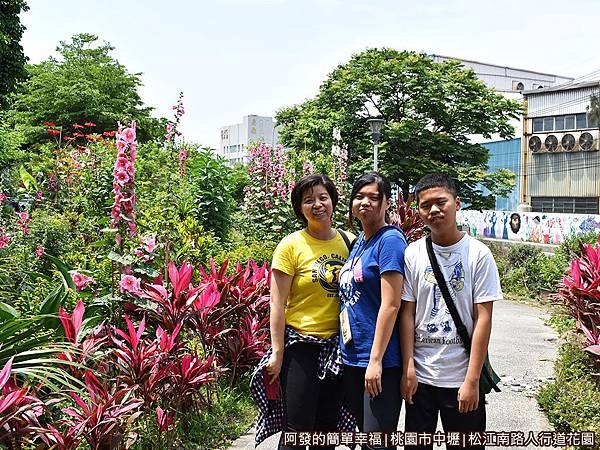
(373, 379)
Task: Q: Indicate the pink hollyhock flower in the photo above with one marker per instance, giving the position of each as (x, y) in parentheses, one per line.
(133, 152)
(130, 168)
(122, 177)
(132, 228)
(138, 252)
(150, 242)
(40, 251)
(81, 281)
(129, 283)
(2, 198)
(128, 135)
(24, 216)
(121, 163)
(38, 195)
(4, 240)
(121, 145)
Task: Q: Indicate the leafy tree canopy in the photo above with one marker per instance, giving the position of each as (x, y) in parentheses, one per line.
(85, 84)
(430, 110)
(12, 58)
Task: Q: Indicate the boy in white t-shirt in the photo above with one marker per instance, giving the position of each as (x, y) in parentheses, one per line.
(439, 377)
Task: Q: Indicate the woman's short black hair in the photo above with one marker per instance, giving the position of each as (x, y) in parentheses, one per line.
(309, 182)
(383, 187)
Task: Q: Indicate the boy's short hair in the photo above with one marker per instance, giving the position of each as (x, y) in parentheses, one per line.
(435, 180)
(309, 182)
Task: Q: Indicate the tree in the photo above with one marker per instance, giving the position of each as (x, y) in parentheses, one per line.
(86, 84)
(12, 58)
(429, 108)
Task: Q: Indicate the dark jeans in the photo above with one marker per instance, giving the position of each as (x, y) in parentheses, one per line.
(429, 400)
(379, 413)
(310, 404)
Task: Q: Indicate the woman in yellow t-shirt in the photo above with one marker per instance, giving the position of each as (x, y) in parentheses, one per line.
(305, 310)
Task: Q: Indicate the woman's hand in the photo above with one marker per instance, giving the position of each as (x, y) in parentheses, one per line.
(373, 379)
(273, 366)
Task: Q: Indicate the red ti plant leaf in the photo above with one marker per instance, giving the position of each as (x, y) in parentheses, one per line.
(72, 323)
(165, 420)
(103, 421)
(580, 292)
(19, 412)
(180, 279)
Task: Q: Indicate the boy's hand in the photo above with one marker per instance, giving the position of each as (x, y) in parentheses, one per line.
(468, 396)
(373, 379)
(408, 386)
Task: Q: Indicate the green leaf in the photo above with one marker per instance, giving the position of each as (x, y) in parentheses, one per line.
(149, 271)
(7, 312)
(64, 270)
(49, 307)
(125, 260)
(27, 179)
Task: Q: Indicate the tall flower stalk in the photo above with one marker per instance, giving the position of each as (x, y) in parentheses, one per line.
(123, 214)
(267, 195)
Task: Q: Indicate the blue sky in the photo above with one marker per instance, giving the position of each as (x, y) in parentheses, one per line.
(237, 57)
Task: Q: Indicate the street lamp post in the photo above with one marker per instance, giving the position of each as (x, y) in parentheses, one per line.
(375, 124)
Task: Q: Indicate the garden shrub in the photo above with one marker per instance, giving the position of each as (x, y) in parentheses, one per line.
(572, 401)
(256, 251)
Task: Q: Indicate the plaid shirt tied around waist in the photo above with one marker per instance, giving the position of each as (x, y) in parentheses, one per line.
(270, 412)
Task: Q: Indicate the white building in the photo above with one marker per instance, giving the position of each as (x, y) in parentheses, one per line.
(236, 138)
(508, 81)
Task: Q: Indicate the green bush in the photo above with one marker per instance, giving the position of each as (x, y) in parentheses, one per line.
(257, 251)
(520, 255)
(572, 401)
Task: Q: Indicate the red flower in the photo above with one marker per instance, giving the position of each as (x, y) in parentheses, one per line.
(78, 134)
(69, 138)
(76, 126)
(54, 132)
(109, 133)
(49, 124)
(89, 124)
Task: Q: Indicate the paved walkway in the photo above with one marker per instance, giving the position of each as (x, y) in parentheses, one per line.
(522, 351)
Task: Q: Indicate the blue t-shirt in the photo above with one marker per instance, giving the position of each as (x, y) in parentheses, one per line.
(360, 293)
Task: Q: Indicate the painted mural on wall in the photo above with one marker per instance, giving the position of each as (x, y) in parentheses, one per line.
(544, 228)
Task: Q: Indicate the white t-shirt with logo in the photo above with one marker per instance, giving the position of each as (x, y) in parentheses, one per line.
(440, 357)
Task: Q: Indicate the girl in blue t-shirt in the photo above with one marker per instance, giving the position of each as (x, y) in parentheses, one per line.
(370, 288)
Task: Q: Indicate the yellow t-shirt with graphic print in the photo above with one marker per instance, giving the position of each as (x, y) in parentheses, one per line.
(313, 305)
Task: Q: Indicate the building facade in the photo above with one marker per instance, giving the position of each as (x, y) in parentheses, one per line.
(235, 138)
(560, 153)
(511, 83)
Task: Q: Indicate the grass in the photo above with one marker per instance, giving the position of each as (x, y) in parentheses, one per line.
(232, 413)
(572, 401)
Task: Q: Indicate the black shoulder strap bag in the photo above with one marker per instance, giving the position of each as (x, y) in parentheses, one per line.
(347, 241)
(489, 379)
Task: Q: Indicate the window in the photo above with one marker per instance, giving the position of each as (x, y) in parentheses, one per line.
(559, 123)
(571, 205)
(569, 122)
